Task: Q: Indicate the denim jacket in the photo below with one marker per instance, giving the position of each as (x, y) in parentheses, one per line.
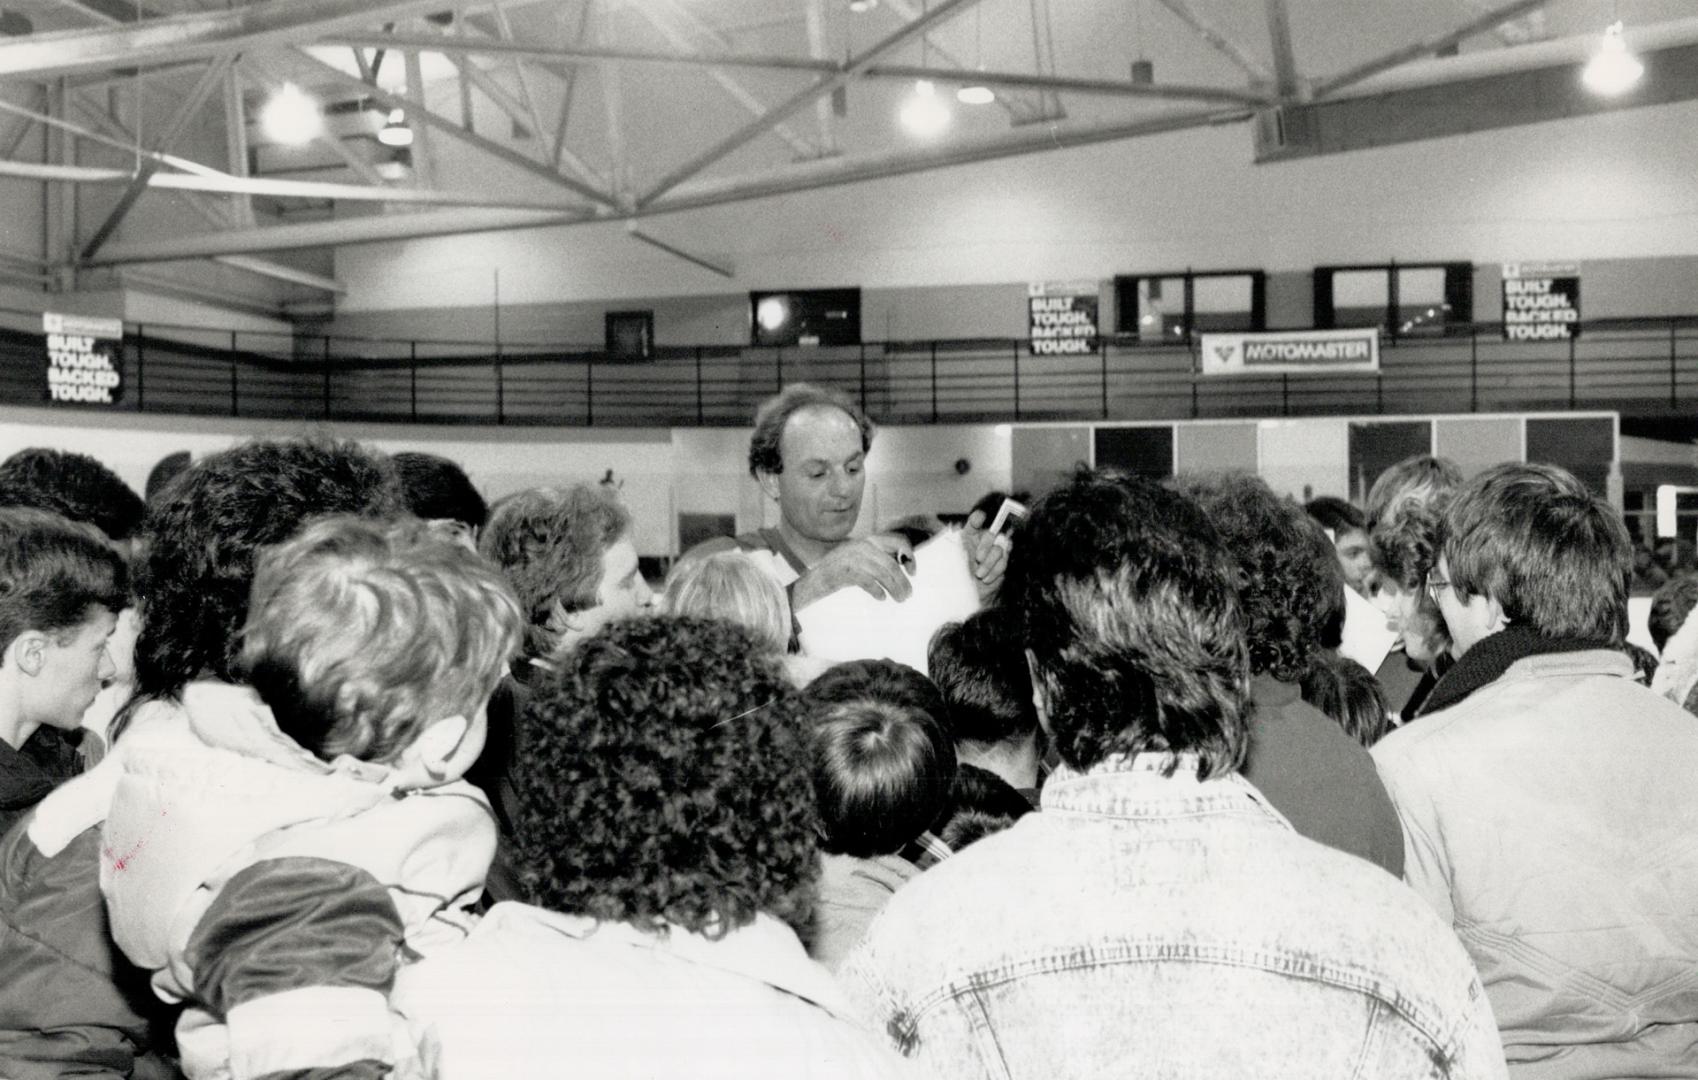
(1155, 925)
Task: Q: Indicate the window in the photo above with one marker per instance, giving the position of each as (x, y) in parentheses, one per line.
(1418, 300)
(805, 317)
(1156, 308)
(630, 334)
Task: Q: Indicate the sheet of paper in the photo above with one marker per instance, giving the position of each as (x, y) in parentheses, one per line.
(851, 625)
(1367, 637)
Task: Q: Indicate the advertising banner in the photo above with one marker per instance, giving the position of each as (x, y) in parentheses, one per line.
(84, 359)
(1063, 316)
(1541, 301)
(1286, 351)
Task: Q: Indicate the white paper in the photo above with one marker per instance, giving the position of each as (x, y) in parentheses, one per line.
(1368, 637)
(850, 625)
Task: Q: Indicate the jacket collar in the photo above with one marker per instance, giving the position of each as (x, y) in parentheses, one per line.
(765, 950)
(22, 782)
(1142, 786)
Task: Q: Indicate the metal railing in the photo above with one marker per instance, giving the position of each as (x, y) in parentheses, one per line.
(1639, 367)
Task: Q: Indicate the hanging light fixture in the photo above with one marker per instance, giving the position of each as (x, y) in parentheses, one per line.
(925, 114)
(291, 117)
(977, 93)
(395, 131)
(1612, 70)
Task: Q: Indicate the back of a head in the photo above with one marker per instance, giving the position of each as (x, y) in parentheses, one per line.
(437, 489)
(1539, 542)
(662, 778)
(1421, 479)
(52, 571)
(548, 542)
(165, 470)
(75, 486)
(361, 633)
(1129, 606)
(1349, 693)
(1291, 589)
(982, 803)
(203, 536)
(1670, 607)
(882, 763)
(1336, 515)
(728, 585)
(979, 667)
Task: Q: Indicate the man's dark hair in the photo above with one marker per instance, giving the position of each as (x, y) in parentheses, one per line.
(1291, 589)
(437, 489)
(75, 486)
(1671, 606)
(776, 411)
(662, 777)
(882, 763)
(204, 533)
(979, 667)
(52, 570)
(1334, 513)
(1130, 609)
(1349, 693)
(1535, 539)
(982, 803)
(165, 470)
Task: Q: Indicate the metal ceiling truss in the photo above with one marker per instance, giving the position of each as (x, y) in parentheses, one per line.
(533, 63)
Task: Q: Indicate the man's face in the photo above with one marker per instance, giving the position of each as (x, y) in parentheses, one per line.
(623, 592)
(1355, 558)
(75, 663)
(819, 491)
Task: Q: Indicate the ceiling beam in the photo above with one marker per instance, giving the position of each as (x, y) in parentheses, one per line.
(211, 79)
(579, 54)
(1286, 81)
(1430, 47)
(196, 36)
(805, 176)
(278, 272)
(1219, 41)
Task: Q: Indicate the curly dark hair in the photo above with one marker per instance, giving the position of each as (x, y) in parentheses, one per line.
(1349, 693)
(437, 489)
(662, 778)
(203, 535)
(776, 411)
(74, 485)
(1673, 602)
(1290, 586)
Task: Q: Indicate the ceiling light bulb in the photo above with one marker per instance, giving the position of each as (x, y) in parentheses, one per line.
(861, 7)
(772, 312)
(925, 114)
(291, 117)
(1612, 69)
(975, 95)
(395, 131)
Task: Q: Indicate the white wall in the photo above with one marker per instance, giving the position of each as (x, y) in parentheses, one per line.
(1612, 185)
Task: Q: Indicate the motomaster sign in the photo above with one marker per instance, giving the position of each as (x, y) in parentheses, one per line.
(1290, 351)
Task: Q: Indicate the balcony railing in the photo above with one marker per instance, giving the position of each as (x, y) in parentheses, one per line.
(1639, 367)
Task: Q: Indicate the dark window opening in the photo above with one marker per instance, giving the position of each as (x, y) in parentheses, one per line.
(1169, 308)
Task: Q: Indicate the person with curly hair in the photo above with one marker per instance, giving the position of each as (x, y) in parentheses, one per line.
(1406, 509)
(1291, 590)
(73, 1003)
(1157, 915)
(76, 485)
(667, 849)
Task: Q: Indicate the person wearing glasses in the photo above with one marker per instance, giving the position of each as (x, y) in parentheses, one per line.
(1548, 800)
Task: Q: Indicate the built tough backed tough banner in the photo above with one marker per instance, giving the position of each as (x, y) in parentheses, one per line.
(1063, 317)
(84, 359)
(1541, 301)
(1287, 351)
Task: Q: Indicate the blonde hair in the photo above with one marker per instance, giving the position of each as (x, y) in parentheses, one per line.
(361, 633)
(728, 585)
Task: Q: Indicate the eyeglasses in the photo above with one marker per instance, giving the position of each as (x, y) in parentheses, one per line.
(1435, 586)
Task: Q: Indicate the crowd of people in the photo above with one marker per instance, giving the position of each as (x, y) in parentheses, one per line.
(314, 764)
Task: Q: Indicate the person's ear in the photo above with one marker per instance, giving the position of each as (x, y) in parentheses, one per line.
(29, 651)
(768, 482)
(1040, 699)
(438, 742)
(1495, 618)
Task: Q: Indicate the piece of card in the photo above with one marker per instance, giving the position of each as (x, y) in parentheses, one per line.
(1368, 637)
(851, 625)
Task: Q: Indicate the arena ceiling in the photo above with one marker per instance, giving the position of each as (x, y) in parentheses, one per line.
(529, 113)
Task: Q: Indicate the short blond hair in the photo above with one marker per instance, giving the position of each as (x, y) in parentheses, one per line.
(361, 633)
(728, 585)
